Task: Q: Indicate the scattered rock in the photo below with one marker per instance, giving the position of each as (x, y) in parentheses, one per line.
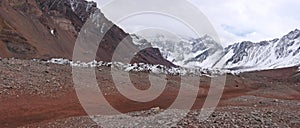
(155, 109)
(7, 87)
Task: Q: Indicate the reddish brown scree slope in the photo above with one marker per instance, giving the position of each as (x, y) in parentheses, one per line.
(48, 29)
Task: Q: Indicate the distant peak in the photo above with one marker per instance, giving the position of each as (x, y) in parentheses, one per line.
(293, 34)
(207, 37)
(295, 31)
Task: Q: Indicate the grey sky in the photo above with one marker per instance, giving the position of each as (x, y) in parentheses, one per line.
(234, 20)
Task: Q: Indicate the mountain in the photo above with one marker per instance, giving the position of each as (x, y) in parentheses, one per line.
(244, 56)
(184, 52)
(45, 29)
(277, 53)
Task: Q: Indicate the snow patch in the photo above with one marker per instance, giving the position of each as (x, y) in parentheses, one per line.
(73, 5)
(52, 32)
(89, 6)
(102, 28)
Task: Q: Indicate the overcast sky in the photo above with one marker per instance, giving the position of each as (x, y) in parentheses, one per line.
(236, 20)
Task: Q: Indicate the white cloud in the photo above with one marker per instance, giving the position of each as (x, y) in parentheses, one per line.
(262, 20)
(239, 20)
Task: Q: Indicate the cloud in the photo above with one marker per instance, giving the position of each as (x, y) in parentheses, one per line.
(255, 20)
(240, 20)
(236, 31)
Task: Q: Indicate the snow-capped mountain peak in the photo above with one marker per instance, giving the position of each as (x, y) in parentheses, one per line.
(185, 52)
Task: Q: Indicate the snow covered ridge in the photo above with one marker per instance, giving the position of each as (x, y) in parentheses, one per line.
(82, 8)
(140, 67)
(244, 56)
(76, 3)
(191, 53)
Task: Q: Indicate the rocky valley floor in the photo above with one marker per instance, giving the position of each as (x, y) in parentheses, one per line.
(39, 94)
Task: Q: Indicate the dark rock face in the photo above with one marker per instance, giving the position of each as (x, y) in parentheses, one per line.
(48, 28)
(77, 11)
(151, 55)
(239, 51)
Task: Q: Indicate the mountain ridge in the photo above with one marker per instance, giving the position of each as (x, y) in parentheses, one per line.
(245, 55)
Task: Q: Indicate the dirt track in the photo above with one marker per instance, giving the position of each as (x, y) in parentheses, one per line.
(36, 94)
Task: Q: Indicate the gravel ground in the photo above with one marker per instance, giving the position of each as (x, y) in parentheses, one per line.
(250, 100)
(285, 114)
(19, 77)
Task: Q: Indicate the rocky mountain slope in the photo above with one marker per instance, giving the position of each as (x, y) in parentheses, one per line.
(48, 28)
(244, 56)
